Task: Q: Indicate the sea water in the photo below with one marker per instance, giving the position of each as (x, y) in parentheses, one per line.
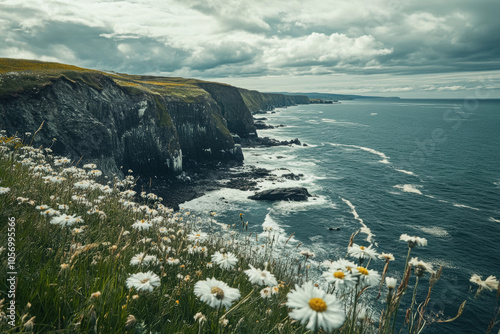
(429, 168)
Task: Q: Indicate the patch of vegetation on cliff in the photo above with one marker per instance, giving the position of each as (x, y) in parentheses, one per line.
(18, 75)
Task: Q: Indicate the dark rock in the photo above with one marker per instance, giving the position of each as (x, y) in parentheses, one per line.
(334, 228)
(267, 142)
(282, 194)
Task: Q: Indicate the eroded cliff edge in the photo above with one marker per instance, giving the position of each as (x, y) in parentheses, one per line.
(152, 125)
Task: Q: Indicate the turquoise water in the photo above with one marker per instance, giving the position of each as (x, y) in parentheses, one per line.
(429, 168)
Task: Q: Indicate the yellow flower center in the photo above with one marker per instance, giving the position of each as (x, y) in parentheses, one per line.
(219, 293)
(363, 270)
(339, 274)
(144, 281)
(198, 235)
(362, 247)
(317, 304)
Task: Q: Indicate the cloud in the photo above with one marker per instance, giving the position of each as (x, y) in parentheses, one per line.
(235, 38)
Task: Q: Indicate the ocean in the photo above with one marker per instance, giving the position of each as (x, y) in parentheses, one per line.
(429, 168)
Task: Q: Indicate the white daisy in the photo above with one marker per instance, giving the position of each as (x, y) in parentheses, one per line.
(265, 293)
(90, 166)
(197, 236)
(172, 261)
(491, 283)
(260, 277)
(315, 307)
(64, 220)
(225, 260)
(420, 266)
(216, 293)
(368, 277)
(413, 241)
(343, 264)
(391, 282)
(142, 258)
(342, 279)
(142, 225)
(83, 184)
(362, 252)
(4, 190)
(143, 281)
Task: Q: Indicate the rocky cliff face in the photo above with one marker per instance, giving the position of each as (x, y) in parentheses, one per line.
(152, 125)
(257, 101)
(235, 111)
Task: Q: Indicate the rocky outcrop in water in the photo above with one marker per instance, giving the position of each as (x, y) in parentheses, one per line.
(282, 194)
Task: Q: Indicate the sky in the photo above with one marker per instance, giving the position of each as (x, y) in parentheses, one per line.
(405, 48)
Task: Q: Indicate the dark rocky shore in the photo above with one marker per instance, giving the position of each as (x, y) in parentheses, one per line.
(199, 178)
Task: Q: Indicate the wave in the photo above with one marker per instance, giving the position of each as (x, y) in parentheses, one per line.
(385, 158)
(434, 230)
(409, 188)
(465, 206)
(405, 172)
(333, 121)
(373, 114)
(494, 220)
(364, 229)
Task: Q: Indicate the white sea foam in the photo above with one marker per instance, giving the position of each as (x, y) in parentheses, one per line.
(434, 230)
(465, 206)
(364, 229)
(333, 121)
(494, 220)
(406, 172)
(385, 158)
(373, 114)
(409, 188)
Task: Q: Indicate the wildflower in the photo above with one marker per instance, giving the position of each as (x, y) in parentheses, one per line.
(95, 173)
(343, 264)
(197, 236)
(413, 241)
(63, 207)
(172, 261)
(315, 307)
(142, 258)
(4, 190)
(83, 184)
(131, 320)
(50, 212)
(265, 293)
(491, 283)
(90, 166)
(307, 254)
(260, 277)
(143, 281)
(42, 207)
(199, 317)
(225, 260)
(77, 230)
(362, 252)
(342, 279)
(369, 277)
(216, 293)
(420, 266)
(65, 220)
(391, 282)
(386, 256)
(142, 225)
(163, 230)
(64, 266)
(95, 295)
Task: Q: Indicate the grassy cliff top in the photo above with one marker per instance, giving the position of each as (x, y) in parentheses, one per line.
(20, 75)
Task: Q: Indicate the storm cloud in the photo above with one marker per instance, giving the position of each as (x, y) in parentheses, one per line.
(405, 47)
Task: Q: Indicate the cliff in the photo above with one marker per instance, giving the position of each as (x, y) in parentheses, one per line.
(257, 101)
(152, 125)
